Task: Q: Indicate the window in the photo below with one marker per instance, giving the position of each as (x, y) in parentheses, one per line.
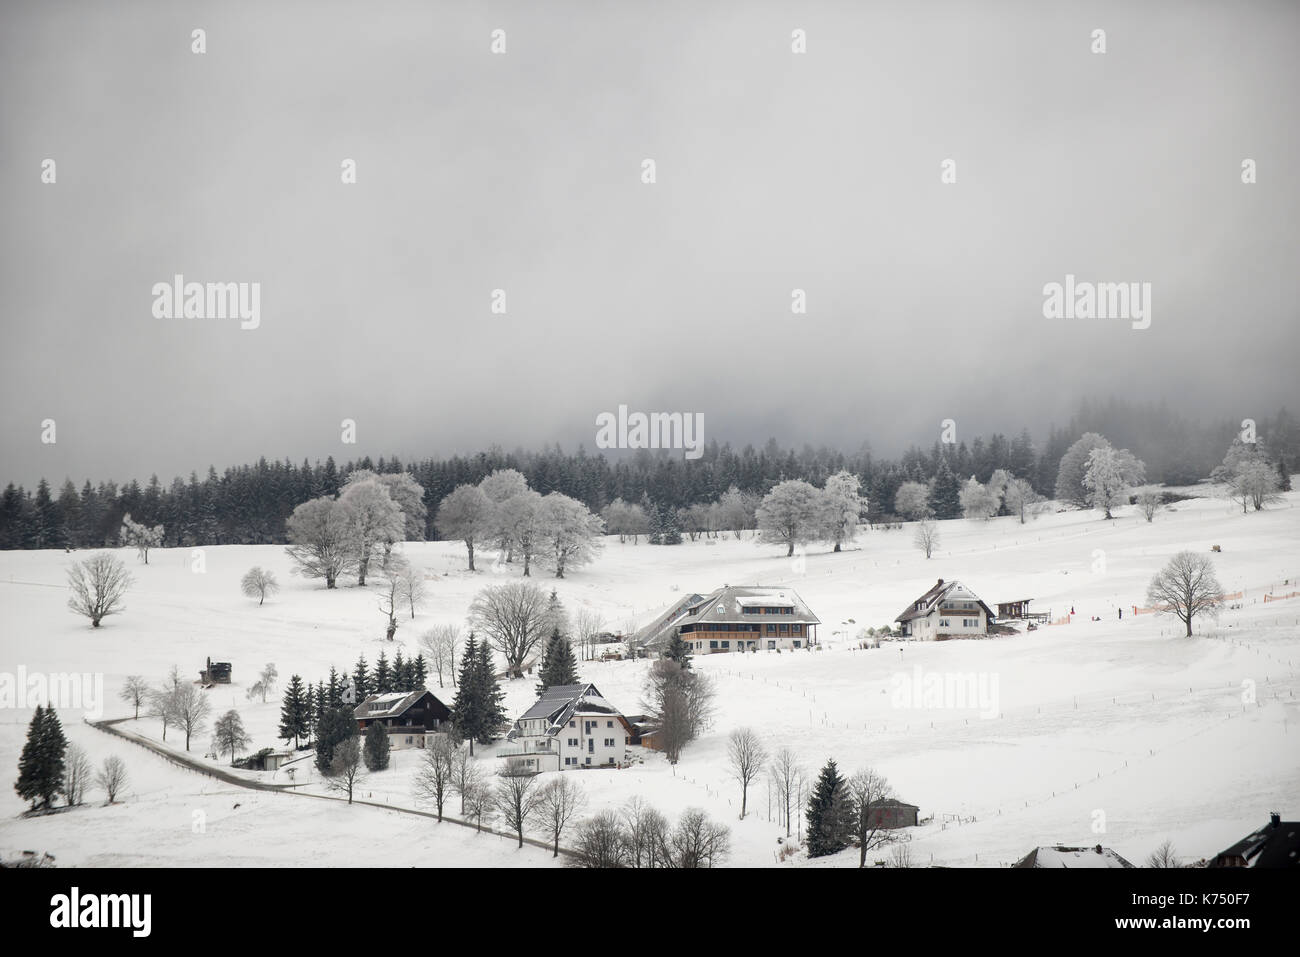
(573, 742)
(609, 742)
(771, 645)
(771, 629)
(785, 629)
(410, 740)
(589, 760)
(798, 644)
(796, 629)
(726, 644)
(971, 622)
(573, 724)
(943, 623)
(713, 644)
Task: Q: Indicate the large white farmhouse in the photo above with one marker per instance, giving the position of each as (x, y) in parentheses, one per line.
(570, 726)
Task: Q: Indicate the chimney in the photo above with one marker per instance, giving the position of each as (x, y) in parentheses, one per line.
(1275, 819)
(940, 582)
(1097, 848)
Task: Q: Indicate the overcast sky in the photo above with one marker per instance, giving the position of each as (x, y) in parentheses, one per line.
(522, 172)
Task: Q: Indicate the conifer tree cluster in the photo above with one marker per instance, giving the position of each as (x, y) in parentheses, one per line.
(41, 765)
(478, 713)
(558, 667)
(375, 751)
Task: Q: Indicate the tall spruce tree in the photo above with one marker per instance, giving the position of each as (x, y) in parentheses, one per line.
(293, 712)
(493, 698)
(40, 766)
(333, 689)
(828, 813)
(419, 673)
(558, 664)
(466, 714)
(945, 497)
(678, 651)
(399, 672)
(361, 679)
(383, 677)
(375, 751)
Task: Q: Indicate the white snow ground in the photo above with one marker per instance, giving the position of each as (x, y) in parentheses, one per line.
(1114, 732)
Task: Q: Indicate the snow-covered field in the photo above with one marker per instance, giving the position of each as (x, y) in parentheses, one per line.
(1115, 731)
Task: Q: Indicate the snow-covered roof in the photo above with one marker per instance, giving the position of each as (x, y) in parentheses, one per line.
(560, 703)
(1060, 856)
(940, 592)
(388, 705)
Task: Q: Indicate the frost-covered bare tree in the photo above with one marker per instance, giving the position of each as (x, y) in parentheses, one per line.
(436, 776)
(912, 501)
(587, 624)
(746, 757)
(786, 774)
(412, 587)
(98, 585)
(978, 501)
(1187, 588)
(320, 539)
(926, 536)
(1148, 500)
(600, 843)
(1255, 482)
(515, 617)
(259, 583)
(140, 537)
(190, 710)
(516, 796)
(1108, 475)
(135, 692)
(468, 514)
(867, 789)
(390, 592)
(264, 684)
(559, 801)
(626, 520)
(375, 520)
(569, 534)
(501, 486)
(466, 774)
(345, 767)
(112, 777)
(228, 734)
(844, 507)
(1163, 856)
(162, 700)
(737, 511)
(645, 831)
(791, 514)
(77, 774)
(1020, 498)
(439, 644)
(697, 842)
(520, 519)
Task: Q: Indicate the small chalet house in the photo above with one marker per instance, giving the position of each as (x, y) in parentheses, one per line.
(409, 717)
(948, 610)
(570, 726)
(735, 619)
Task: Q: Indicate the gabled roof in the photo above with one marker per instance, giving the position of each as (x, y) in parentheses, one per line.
(394, 704)
(940, 592)
(1059, 856)
(559, 704)
(1276, 844)
(734, 603)
(661, 628)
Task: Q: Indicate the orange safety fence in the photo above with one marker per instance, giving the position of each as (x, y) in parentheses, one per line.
(1280, 597)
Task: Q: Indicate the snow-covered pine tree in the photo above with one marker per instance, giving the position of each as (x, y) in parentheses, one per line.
(678, 651)
(383, 678)
(494, 712)
(400, 673)
(419, 673)
(466, 714)
(828, 813)
(376, 747)
(945, 495)
(558, 664)
(293, 712)
(361, 679)
(40, 767)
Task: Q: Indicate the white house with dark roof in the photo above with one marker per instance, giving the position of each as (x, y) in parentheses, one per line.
(735, 618)
(947, 610)
(570, 726)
